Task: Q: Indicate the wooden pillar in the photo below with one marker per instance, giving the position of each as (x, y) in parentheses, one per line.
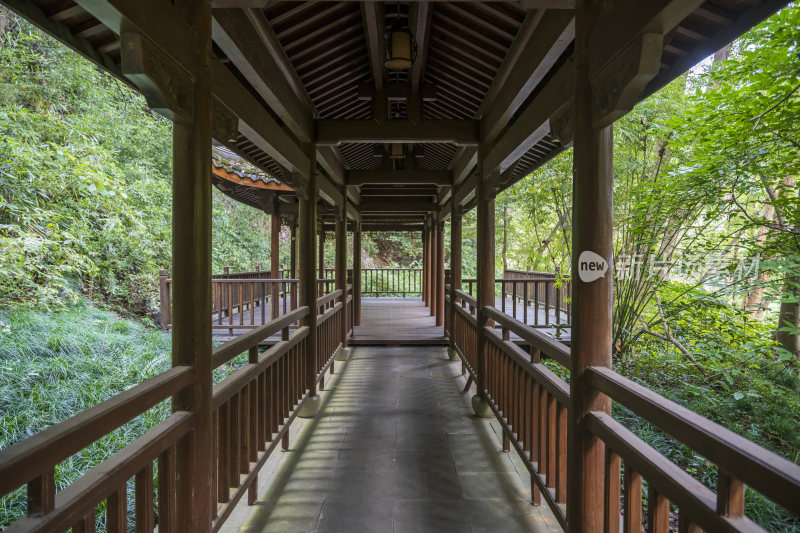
(357, 274)
(591, 319)
(274, 256)
(293, 264)
(321, 269)
(455, 261)
(432, 255)
(191, 286)
(425, 262)
(341, 268)
(485, 268)
(439, 229)
(307, 219)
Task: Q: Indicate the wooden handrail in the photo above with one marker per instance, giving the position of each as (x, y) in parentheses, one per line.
(467, 298)
(546, 344)
(543, 375)
(27, 459)
(770, 474)
(691, 496)
(234, 383)
(80, 498)
(329, 297)
(227, 351)
(323, 317)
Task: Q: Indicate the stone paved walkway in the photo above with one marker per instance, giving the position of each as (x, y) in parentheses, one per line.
(395, 448)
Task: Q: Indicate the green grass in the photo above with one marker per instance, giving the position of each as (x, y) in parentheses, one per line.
(57, 363)
(54, 364)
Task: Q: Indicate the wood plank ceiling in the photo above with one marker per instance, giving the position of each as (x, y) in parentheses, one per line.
(466, 57)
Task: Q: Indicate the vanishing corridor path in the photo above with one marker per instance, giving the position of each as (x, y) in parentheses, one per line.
(395, 448)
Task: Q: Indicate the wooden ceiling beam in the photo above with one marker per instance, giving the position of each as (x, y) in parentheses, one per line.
(626, 19)
(330, 161)
(397, 92)
(241, 4)
(233, 32)
(334, 132)
(398, 207)
(533, 123)
(255, 122)
(397, 191)
(399, 177)
(373, 18)
(553, 33)
(420, 22)
(463, 163)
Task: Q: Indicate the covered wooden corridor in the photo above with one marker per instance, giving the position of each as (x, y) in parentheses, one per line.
(399, 116)
(395, 448)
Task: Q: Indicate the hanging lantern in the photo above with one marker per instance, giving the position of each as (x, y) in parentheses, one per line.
(396, 151)
(401, 48)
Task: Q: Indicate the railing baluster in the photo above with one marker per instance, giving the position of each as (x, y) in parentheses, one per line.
(42, 493)
(234, 446)
(117, 511)
(551, 442)
(685, 524)
(730, 495)
(612, 491)
(88, 524)
(144, 499)
(657, 511)
(561, 453)
(633, 501)
(166, 491)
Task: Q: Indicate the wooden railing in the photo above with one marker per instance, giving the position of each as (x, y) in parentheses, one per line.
(391, 282)
(540, 300)
(32, 462)
(531, 403)
(544, 289)
(242, 300)
(253, 408)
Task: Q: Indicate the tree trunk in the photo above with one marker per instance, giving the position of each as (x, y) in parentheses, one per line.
(3, 21)
(754, 300)
(789, 317)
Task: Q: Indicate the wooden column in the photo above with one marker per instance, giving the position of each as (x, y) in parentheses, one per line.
(307, 219)
(191, 286)
(341, 268)
(425, 263)
(455, 260)
(485, 270)
(293, 264)
(432, 255)
(321, 270)
(357, 274)
(274, 256)
(591, 319)
(439, 229)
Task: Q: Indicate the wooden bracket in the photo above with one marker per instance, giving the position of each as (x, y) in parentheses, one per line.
(562, 124)
(224, 122)
(167, 87)
(617, 87)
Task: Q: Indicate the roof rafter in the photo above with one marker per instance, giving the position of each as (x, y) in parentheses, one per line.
(259, 65)
(398, 177)
(334, 132)
(552, 34)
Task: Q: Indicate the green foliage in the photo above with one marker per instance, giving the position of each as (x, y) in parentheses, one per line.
(81, 161)
(85, 185)
(54, 364)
